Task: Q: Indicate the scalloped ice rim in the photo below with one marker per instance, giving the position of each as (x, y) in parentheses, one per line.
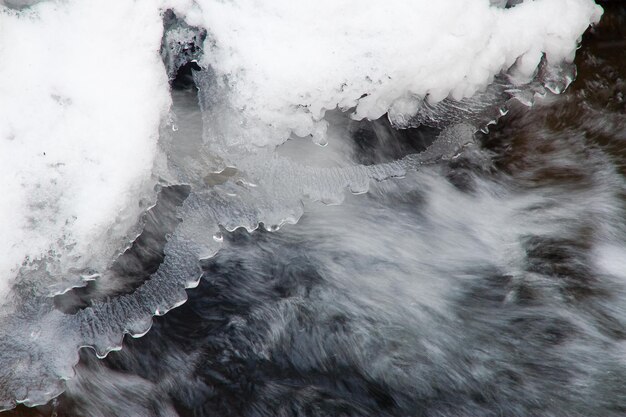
(110, 338)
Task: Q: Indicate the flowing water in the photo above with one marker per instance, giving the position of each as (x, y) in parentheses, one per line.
(491, 282)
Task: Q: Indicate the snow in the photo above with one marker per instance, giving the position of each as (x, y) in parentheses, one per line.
(82, 94)
(286, 62)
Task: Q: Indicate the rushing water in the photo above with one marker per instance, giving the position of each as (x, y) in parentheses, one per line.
(490, 284)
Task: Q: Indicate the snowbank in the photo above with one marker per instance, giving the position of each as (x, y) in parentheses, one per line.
(82, 93)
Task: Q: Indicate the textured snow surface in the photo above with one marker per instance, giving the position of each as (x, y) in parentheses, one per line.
(82, 93)
(286, 62)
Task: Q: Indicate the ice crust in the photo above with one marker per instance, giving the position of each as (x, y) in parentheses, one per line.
(83, 93)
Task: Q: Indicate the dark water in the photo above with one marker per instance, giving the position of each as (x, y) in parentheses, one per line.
(491, 285)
